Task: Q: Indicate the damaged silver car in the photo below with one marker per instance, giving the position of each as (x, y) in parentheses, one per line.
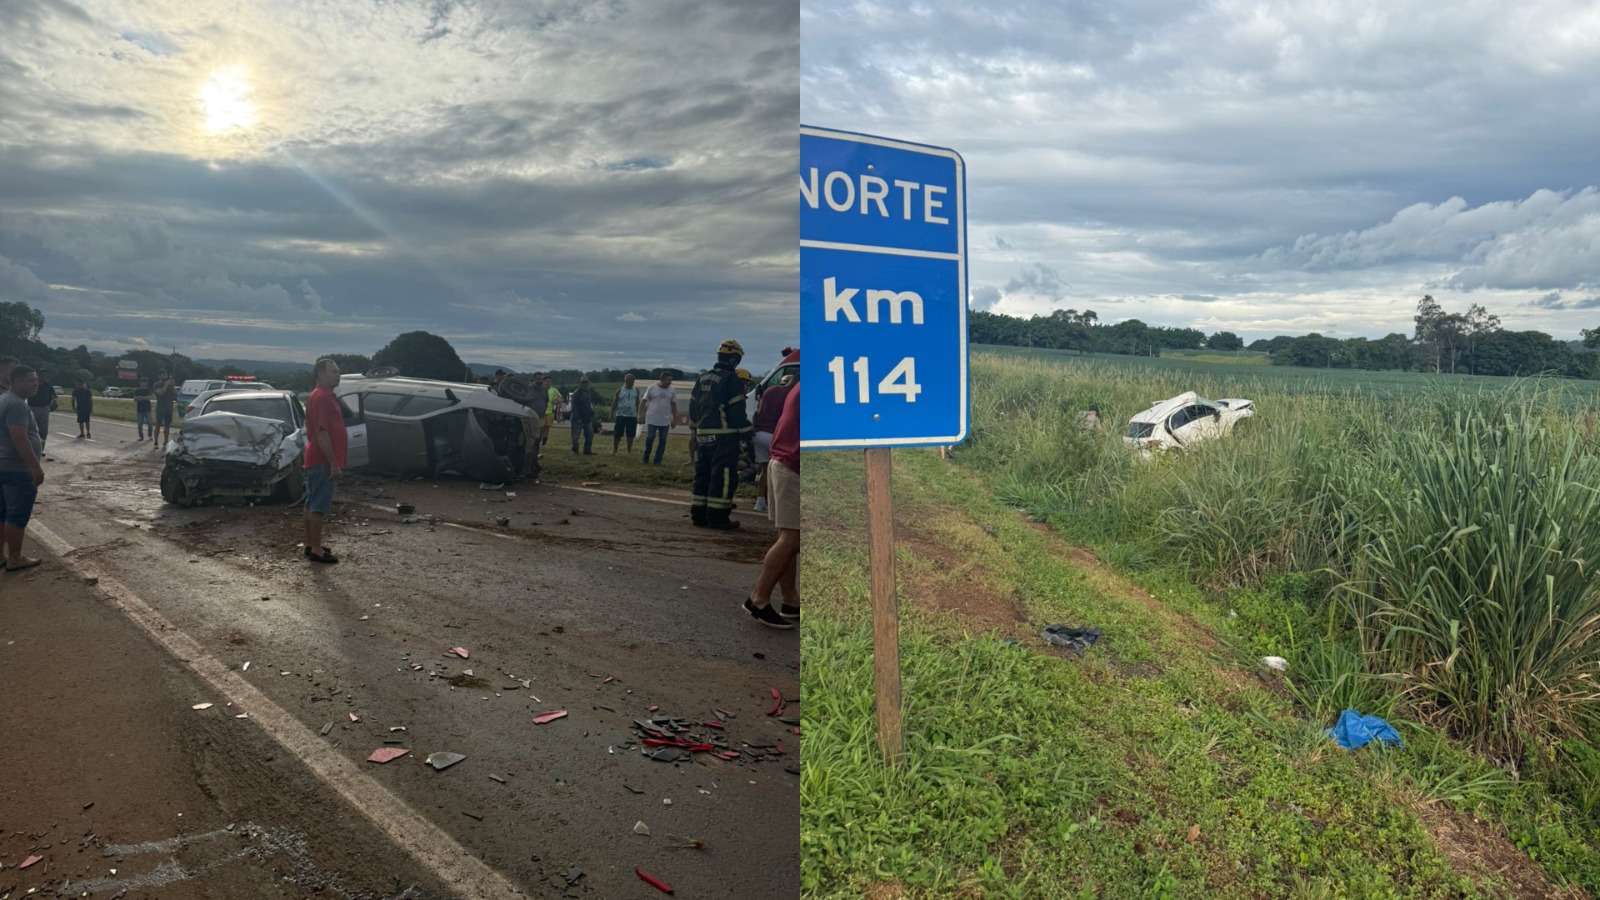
(247, 444)
(418, 426)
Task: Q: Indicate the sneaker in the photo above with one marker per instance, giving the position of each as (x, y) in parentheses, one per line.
(27, 562)
(767, 616)
(761, 504)
(791, 613)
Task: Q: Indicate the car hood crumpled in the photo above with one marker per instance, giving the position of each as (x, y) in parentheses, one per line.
(231, 437)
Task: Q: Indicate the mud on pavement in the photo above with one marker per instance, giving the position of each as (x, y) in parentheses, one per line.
(610, 608)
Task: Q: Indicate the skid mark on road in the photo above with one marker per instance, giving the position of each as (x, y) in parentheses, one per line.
(466, 876)
(261, 843)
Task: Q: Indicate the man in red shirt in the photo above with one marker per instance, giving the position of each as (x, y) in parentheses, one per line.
(324, 457)
(781, 565)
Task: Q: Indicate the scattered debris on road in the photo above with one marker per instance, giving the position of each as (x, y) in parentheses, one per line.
(550, 716)
(444, 759)
(202, 706)
(1078, 639)
(459, 651)
(641, 828)
(653, 881)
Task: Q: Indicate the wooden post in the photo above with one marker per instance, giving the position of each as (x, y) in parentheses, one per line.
(885, 613)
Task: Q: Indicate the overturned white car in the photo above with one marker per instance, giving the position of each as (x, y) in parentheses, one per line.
(1185, 420)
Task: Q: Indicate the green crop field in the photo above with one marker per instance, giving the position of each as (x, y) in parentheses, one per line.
(1416, 547)
(1211, 378)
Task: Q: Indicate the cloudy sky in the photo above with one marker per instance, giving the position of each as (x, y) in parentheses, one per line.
(1266, 167)
(544, 182)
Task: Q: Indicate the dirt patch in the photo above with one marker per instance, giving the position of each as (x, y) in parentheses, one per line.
(1478, 846)
(953, 584)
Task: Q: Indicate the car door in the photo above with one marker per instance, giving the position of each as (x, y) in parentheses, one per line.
(355, 429)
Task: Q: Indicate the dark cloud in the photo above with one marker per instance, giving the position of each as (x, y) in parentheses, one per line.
(532, 180)
(1301, 162)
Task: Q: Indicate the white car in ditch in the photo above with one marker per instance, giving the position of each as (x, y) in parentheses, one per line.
(1185, 420)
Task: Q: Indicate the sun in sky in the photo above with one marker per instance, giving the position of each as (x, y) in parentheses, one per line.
(225, 99)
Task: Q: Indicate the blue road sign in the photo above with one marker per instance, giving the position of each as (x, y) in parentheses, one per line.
(883, 292)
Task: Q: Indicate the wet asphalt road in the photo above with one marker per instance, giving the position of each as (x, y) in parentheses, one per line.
(605, 606)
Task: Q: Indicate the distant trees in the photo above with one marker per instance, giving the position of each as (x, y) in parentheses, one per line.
(422, 354)
(1226, 341)
(1472, 342)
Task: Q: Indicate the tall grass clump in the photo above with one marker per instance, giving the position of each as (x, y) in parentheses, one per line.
(1474, 581)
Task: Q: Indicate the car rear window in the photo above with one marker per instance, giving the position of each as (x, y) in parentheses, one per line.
(1140, 429)
(263, 407)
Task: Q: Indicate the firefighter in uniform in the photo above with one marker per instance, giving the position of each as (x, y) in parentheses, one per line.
(721, 428)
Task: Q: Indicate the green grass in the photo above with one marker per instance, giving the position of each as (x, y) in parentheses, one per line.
(1264, 540)
(1035, 776)
(560, 464)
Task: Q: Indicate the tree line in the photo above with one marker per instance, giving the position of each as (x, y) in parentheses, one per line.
(419, 354)
(1472, 343)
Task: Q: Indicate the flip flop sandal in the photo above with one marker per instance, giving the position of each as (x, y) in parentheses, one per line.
(324, 557)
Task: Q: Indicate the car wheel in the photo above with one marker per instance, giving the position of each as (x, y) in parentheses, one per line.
(172, 489)
(293, 488)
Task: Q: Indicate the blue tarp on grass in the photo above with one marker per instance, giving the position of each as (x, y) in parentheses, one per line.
(1354, 730)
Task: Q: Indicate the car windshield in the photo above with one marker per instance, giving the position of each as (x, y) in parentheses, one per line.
(1140, 429)
(263, 407)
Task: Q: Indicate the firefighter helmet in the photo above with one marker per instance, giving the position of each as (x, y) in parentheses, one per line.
(730, 347)
(742, 373)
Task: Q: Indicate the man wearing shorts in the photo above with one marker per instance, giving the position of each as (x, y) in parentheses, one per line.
(781, 565)
(324, 460)
(20, 472)
(166, 397)
(625, 410)
(83, 405)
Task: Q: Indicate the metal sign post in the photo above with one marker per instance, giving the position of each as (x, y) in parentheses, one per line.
(883, 317)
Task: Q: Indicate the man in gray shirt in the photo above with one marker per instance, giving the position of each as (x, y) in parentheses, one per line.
(20, 472)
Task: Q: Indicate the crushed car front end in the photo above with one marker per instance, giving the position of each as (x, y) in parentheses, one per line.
(231, 455)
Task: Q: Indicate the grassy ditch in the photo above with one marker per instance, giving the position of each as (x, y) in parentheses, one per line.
(1336, 530)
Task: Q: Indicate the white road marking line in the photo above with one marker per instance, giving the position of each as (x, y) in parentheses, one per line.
(432, 848)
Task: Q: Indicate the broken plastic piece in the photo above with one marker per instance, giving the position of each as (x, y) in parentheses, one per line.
(550, 716)
(459, 651)
(653, 881)
(444, 760)
(641, 828)
(777, 703)
(354, 717)
(1275, 663)
(387, 754)
(201, 706)
(497, 778)
(29, 861)
(327, 728)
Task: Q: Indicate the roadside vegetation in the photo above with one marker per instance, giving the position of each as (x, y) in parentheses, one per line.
(1418, 554)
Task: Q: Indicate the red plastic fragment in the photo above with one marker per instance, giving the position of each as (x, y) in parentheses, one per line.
(459, 651)
(387, 754)
(608, 679)
(550, 716)
(714, 723)
(727, 754)
(33, 859)
(777, 703)
(653, 881)
(654, 708)
(778, 749)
